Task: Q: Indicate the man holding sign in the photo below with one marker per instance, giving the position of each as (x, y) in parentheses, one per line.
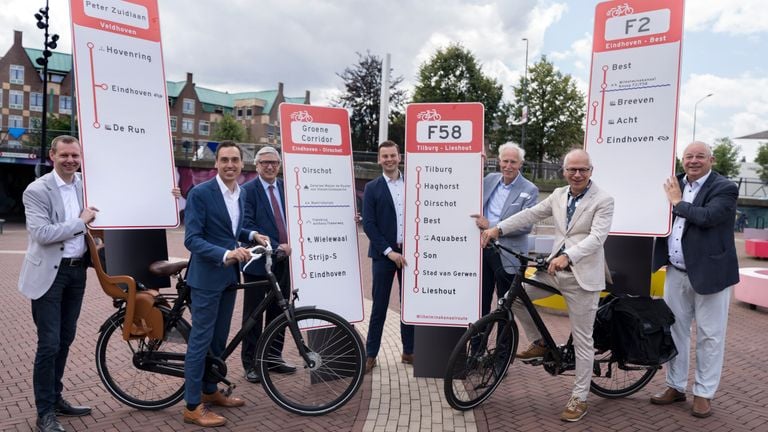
(383, 211)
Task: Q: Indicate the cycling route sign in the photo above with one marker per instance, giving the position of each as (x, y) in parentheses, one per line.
(632, 109)
(443, 187)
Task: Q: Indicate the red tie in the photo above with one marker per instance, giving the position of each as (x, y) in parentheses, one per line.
(282, 236)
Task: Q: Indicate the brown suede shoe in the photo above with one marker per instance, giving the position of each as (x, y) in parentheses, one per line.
(667, 397)
(204, 417)
(407, 358)
(370, 363)
(702, 407)
(218, 399)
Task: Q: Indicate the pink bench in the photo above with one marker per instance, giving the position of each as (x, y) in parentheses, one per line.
(752, 287)
(756, 248)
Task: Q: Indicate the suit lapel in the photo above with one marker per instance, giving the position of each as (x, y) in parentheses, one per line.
(390, 205)
(514, 194)
(266, 203)
(59, 212)
(581, 206)
(220, 206)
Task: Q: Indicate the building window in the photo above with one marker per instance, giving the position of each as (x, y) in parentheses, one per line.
(56, 78)
(15, 121)
(15, 99)
(239, 113)
(65, 104)
(35, 101)
(17, 74)
(204, 128)
(35, 123)
(248, 113)
(187, 126)
(189, 106)
(173, 123)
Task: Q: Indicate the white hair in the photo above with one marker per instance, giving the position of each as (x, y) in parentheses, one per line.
(512, 146)
(267, 150)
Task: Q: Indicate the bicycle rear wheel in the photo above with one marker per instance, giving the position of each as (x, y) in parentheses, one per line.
(336, 370)
(116, 363)
(613, 379)
(480, 360)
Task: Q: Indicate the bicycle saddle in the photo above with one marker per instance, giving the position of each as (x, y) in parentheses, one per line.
(167, 268)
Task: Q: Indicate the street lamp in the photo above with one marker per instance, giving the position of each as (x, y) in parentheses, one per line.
(695, 106)
(524, 113)
(49, 44)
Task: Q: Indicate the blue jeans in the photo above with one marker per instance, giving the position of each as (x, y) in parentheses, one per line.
(211, 318)
(383, 274)
(55, 315)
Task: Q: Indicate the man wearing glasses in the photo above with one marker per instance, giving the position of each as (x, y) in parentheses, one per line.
(582, 215)
(265, 213)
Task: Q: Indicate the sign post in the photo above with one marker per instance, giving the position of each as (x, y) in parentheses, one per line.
(321, 207)
(443, 187)
(122, 107)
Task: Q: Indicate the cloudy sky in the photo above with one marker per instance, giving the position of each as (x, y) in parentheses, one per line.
(246, 45)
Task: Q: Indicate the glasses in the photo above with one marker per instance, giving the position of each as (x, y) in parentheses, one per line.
(268, 163)
(581, 171)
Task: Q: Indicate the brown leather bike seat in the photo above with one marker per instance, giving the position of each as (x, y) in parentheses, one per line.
(167, 268)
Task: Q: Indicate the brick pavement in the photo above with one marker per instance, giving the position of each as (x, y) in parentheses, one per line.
(391, 399)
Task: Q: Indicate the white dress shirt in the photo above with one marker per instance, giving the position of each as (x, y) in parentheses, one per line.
(674, 241)
(397, 190)
(74, 247)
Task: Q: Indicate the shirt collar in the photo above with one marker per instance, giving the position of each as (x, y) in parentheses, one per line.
(388, 180)
(700, 181)
(225, 190)
(584, 192)
(514, 180)
(60, 182)
(266, 185)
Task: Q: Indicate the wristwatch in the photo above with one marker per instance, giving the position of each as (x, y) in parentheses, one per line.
(501, 233)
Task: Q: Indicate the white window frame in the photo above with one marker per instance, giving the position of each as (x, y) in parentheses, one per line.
(62, 109)
(32, 105)
(174, 123)
(188, 106)
(12, 94)
(16, 68)
(187, 125)
(19, 120)
(204, 131)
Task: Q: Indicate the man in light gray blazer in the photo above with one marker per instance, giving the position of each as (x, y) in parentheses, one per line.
(53, 274)
(504, 194)
(582, 214)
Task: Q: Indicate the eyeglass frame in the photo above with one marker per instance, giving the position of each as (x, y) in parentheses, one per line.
(268, 163)
(573, 171)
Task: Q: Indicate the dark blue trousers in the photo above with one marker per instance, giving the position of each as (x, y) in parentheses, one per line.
(55, 315)
(384, 271)
(211, 319)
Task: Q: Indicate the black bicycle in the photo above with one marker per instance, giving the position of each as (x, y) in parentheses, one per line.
(483, 354)
(148, 373)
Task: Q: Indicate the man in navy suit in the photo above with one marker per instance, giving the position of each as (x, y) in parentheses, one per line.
(213, 227)
(383, 209)
(504, 194)
(265, 213)
(700, 255)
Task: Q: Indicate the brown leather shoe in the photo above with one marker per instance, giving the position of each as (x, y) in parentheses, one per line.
(667, 397)
(370, 363)
(407, 358)
(204, 417)
(702, 407)
(218, 399)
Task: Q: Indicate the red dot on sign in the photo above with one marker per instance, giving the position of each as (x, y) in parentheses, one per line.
(301, 222)
(593, 122)
(416, 272)
(605, 67)
(303, 257)
(418, 203)
(90, 44)
(603, 86)
(594, 104)
(418, 186)
(599, 140)
(416, 237)
(416, 220)
(298, 187)
(416, 254)
(301, 239)
(303, 275)
(416, 290)
(418, 168)
(296, 169)
(96, 125)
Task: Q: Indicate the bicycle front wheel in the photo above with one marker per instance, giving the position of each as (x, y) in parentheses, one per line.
(614, 379)
(333, 374)
(480, 360)
(117, 359)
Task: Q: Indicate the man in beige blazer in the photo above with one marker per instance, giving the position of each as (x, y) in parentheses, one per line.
(582, 215)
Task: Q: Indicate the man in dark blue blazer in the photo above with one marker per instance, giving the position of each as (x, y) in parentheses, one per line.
(265, 213)
(213, 227)
(383, 208)
(700, 255)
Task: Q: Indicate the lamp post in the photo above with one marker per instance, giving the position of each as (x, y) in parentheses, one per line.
(695, 107)
(524, 113)
(48, 45)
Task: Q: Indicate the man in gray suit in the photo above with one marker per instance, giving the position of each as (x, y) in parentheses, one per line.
(504, 194)
(582, 214)
(53, 274)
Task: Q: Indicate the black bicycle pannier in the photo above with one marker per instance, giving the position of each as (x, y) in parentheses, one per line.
(639, 330)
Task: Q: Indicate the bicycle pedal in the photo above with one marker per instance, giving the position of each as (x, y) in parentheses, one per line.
(534, 361)
(228, 391)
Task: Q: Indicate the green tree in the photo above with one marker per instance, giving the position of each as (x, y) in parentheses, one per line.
(362, 95)
(228, 129)
(555, 114)
(453, 74)
(762, 160)
(726, 155)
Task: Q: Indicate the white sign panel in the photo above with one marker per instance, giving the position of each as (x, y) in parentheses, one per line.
(632, 109)
(320, 208)
(122, 107)
(443, 186)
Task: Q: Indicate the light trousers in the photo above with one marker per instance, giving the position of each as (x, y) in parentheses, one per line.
(710, 311)
(582, 306)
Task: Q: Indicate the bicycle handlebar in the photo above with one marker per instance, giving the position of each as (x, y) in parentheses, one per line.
(539, 263)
